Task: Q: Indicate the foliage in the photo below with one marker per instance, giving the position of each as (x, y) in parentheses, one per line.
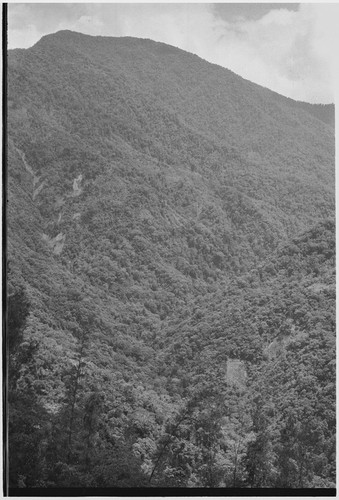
(171, 273)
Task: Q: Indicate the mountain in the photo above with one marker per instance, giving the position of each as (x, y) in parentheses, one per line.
(157, 207)
(324, 112)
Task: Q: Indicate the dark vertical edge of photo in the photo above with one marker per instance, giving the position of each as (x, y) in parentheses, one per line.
(4, 251)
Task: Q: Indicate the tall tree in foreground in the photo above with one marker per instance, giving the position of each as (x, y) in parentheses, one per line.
(26, 417)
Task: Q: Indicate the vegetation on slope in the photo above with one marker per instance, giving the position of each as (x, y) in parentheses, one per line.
(155, 207)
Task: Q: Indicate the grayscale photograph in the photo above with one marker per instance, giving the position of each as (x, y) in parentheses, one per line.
(169, 249)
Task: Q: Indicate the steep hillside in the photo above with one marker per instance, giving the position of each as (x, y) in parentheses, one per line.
(269, 336)
(149, 195)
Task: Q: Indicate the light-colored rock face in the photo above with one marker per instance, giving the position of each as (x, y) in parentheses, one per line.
(236, 373)
(76, 185)
(27, 166)
(319, 287)
(38, 190)
(35, 178)
(56, 244)
(145, 215)
(279, 344)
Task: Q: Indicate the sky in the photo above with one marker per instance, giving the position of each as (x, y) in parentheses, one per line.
(289, 48)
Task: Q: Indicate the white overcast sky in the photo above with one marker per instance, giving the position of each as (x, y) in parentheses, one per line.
(289, 48)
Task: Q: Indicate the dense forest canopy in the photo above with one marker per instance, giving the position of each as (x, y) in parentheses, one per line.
(171, 273)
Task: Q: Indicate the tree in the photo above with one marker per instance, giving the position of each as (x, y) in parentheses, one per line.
(26, 417)
(259, 460)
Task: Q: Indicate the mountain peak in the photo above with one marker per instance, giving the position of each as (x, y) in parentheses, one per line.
(99, 43)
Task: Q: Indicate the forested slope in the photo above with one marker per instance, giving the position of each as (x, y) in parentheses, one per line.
(171, 248)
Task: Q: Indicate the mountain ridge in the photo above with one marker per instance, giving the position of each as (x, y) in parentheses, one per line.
(324, 112)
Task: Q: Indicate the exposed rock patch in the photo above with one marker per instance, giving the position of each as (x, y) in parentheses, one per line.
(279, 344)
(76, 186)
(236, 373)
(56, 244)
(35, 179)
(37, 190)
